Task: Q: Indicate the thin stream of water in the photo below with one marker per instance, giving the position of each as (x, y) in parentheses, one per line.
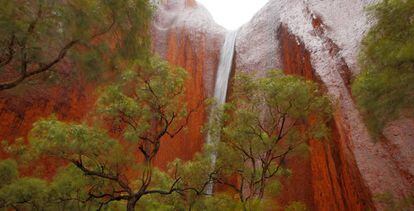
(222, 81)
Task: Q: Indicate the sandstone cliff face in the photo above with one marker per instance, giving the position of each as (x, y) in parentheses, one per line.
(333, 179)
(316, 39)
(185, 34)
(22, 106)
(319, 40)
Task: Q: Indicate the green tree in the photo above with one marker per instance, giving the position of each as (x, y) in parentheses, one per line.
(36, 36)
(265, 121)
(67, 191)
(384, 90)
(8, 172)
(30, 193)
(148, 104)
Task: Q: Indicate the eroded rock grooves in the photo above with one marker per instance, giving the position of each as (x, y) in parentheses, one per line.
(346, 174)
(316, 39)
(334, 178)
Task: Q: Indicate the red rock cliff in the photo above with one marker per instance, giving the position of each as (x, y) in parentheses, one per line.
(319, 40)
(336, 183)
(185, 34)
(315, 39)
(22, 106)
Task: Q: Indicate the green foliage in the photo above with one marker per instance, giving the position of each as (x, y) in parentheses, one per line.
(97, 35)
(67, 190)
(154, 93)
(101, 171)
(29, 193)
(296, 206)
(155, 202)
(147, 103)
(8, 172)
(266, 120)
(391, 203)
(194, 173)
(273, 188)
(384, 90)
(73, 141)
(220, 201)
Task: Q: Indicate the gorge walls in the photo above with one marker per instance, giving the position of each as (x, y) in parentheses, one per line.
(316, 39)
(285, 35)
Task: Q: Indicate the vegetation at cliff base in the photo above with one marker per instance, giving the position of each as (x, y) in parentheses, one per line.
(147, 104)
(108, 160)
(385, 89)
(253, 146)
(103, 171)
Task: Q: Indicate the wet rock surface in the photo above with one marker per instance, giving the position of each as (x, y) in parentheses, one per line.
(185, 34)
(316, 39)
(322, 38)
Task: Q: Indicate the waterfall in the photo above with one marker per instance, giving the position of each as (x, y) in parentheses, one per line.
(224, 68)
(222, 80)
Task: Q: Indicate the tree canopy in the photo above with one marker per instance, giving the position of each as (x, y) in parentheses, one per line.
(266, 121)
(37, 36)
(384, 90)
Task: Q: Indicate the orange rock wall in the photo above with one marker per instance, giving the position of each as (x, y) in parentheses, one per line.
(328, 179)
(299, 187)
(22, 106)
(181, 50)
(335, 180)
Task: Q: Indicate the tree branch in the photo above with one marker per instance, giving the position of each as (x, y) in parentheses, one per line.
(89, 172)
(10, 53)
(24, 73)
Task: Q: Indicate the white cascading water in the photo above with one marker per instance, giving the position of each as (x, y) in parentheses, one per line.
(222, 80)
(224, 68)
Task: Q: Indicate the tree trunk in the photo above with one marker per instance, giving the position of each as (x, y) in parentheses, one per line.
(131, 204)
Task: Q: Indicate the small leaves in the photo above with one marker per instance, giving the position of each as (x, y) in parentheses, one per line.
(8, 172)
(32, 192)
(266, 120)
(44, 34)
(273, 188)
(384, 89)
